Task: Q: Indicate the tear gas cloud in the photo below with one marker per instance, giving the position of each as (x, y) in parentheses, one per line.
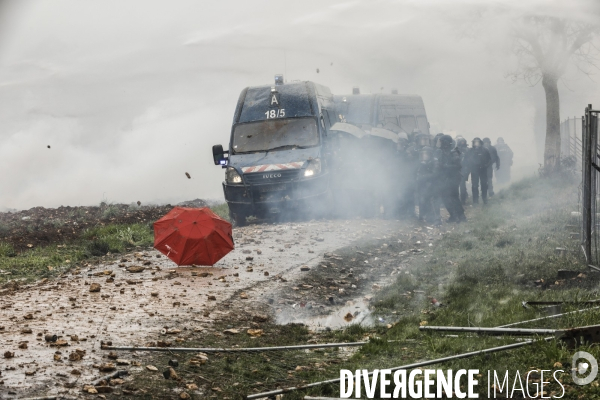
(130, 96)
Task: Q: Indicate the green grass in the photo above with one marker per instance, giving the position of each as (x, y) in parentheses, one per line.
(57, 258)
(222, 210)
(482, 272)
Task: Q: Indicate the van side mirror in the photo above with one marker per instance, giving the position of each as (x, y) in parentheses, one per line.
(218, 155)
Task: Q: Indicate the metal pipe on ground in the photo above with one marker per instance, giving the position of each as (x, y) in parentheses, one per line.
(240, 350)
(505, 331)
(323, 398)
(547, 317)
(41, 398)
(409, 366)
(555, 303)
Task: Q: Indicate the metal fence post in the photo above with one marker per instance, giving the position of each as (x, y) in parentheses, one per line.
(594, 184)
(586, 186)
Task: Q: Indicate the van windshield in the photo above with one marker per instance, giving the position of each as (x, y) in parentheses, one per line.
(275, 134)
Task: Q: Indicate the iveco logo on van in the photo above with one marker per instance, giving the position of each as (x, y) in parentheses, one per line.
(269, 176)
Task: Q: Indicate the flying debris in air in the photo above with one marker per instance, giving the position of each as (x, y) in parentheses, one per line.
(331, 64)
(317, 70)
(188, 175)
(139, 203)
(48, 146)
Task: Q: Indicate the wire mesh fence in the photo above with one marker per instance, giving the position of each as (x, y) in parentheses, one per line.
(590, 156)
(571, 130)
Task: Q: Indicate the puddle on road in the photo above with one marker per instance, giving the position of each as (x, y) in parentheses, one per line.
(337, 319)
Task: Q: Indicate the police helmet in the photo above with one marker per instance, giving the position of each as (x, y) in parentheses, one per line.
(445, 142)
(487, 140)
(500, 140)
(477, 142)
(461, 142)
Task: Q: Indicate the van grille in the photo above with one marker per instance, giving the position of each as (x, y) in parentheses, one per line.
(272, 176)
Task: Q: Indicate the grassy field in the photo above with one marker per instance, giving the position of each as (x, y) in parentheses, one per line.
(98, 241)
(482, 272)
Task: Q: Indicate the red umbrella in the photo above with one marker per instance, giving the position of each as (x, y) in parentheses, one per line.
(193, 236)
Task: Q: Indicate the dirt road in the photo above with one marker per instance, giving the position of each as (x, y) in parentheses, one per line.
(267, 273)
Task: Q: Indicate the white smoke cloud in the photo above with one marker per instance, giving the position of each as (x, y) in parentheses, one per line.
(130, 96)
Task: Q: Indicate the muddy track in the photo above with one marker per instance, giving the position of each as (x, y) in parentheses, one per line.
(132, 308)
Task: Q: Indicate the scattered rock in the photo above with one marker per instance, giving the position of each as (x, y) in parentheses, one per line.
(255, 332)
(107, 367)
(304, 268)
(212, 298)
(184, 395)
(89, 389)
(8, 354)
(104, 389)
(260, 318)
(231, 331)
(170, 373)
(135, 269)
(243, 295)
(76, 355)
(348, 317)
(95, 287)
(151, 368)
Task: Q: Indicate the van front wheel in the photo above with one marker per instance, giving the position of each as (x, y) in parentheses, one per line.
(237, 217)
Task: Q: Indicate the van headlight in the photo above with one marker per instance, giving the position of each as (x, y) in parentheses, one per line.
(232, 176)
(313, 167)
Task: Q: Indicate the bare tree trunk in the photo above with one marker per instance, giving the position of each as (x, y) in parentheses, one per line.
(552, 147)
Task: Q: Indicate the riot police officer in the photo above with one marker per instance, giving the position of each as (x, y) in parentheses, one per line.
(478, 159)
(463, 147)
(427, 187)
(448, 170)
(487, 143)
(506, 158)
(420, 140)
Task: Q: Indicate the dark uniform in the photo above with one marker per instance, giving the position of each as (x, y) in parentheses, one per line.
(487, 143)
(420, 140)
(506, 159)
(478, 159)
(448, 170)
(427, 187)
(463, 147)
